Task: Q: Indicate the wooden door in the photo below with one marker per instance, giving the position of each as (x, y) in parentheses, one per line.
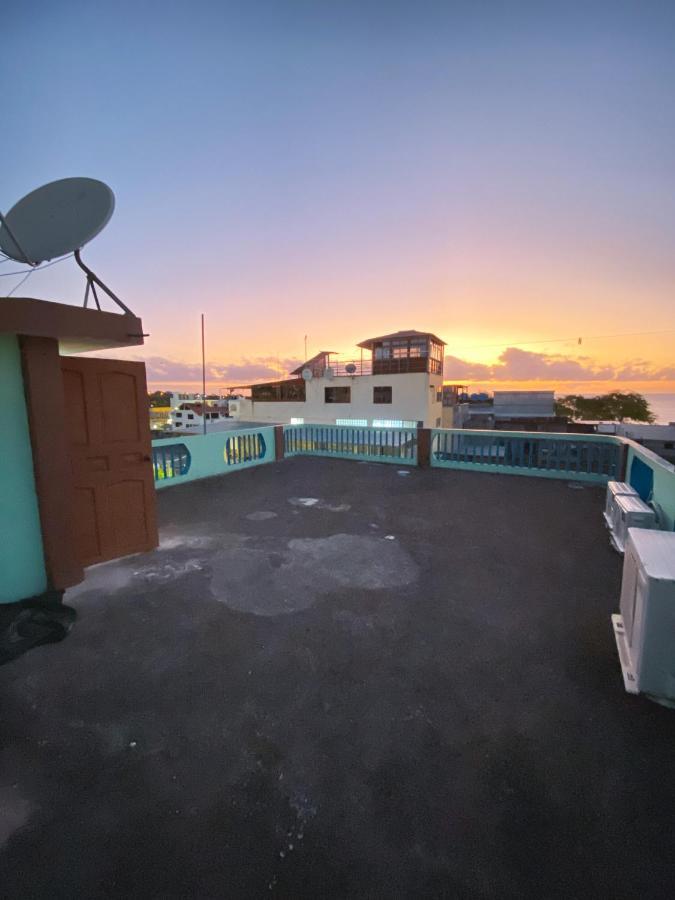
(107, 426)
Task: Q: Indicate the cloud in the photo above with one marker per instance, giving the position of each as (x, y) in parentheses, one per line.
(159, 368)
(526, 365)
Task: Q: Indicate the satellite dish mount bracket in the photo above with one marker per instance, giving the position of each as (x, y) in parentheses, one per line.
(92, 281)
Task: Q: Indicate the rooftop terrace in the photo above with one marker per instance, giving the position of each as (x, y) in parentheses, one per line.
(335, 679)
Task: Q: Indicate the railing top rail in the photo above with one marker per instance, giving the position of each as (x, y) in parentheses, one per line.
(533, 435)
(396, 428)
(213, 435)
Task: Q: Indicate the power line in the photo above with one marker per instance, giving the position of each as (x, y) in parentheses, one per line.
(578, 339)
(18, 285)
(35, 268)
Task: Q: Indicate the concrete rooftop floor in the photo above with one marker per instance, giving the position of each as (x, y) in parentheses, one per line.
(283, 701)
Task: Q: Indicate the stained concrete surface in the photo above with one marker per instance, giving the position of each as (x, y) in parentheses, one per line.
(335, 680)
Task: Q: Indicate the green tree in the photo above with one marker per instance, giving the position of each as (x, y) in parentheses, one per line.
(160, 398)
(613, 407)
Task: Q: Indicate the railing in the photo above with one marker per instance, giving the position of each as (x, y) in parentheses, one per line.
(396, 445)
(204, 455)
(575, 457)
(595, 458)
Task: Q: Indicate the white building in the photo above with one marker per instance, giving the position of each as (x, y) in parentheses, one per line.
(400, 385)
(659, 438)
(187, 417)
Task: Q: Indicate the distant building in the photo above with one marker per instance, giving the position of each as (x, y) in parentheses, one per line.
(515, 411)
(658, 438)
(455, 405)
(400, 385)
(188, 417)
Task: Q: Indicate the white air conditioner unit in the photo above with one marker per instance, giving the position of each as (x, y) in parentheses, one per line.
(616, 489)
(629, 512)
(645, 628)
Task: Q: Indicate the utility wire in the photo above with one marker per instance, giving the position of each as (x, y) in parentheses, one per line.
(25, 278)
(578, 339)
(35, 268)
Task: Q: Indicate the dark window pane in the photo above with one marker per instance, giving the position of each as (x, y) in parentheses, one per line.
(337, 394)
(382, 394)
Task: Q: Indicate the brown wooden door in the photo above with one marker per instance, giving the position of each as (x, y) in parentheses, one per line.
(108, 430)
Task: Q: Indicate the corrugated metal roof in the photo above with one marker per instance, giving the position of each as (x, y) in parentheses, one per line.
(400, 335)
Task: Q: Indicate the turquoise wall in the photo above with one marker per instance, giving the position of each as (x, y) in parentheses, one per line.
(208, 453)
(22, 567)
(663, 491)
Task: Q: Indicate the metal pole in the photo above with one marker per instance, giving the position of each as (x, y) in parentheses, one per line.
(3, 222)
(305, 348)
(203, 378)
(93, 279)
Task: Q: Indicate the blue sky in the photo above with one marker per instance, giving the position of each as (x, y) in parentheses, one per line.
(494, 172)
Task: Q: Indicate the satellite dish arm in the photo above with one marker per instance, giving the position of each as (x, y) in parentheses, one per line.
(93, 279)
(3, 222)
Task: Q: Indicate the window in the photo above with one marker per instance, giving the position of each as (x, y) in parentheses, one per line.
(190, 416)
(179, 415)
(381, 395)
(279, 391)
(170, 461)
(360, 423)
(438, 423)
(297, 421)
(393, 423)
(337, 395)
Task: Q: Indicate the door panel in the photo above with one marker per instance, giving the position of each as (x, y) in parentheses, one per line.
(120, 408)
(127, 511)
(76, 412)
(110, 453)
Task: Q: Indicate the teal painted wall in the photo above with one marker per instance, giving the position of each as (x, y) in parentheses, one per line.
(207, 452)
(22, 567)
(663, 493)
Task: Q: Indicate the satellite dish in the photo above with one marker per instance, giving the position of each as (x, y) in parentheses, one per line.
(307, 374)
(56, 219)
(350, 368)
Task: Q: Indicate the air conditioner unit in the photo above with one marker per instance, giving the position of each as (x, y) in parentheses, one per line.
(616, 489)
(645, 627)
(629, 512)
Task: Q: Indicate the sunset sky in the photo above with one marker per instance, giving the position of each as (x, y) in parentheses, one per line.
(502, 174)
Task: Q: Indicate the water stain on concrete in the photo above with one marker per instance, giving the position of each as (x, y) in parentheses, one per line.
(295, 576)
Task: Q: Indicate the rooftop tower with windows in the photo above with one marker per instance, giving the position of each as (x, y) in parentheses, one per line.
(400, 385)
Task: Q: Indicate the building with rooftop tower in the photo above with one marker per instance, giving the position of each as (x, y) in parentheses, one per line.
(398, 384)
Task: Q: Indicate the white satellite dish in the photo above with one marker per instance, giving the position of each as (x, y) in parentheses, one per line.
(56, 219)
(307, 374)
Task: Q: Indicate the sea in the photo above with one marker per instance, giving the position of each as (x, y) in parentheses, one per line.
(663, 407)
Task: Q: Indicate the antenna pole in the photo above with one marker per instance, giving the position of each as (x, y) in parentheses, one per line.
(203, 378)
(3, 222)
(305, 346)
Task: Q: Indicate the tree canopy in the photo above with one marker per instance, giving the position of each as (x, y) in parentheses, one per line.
(612, 407)
(160, 398)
